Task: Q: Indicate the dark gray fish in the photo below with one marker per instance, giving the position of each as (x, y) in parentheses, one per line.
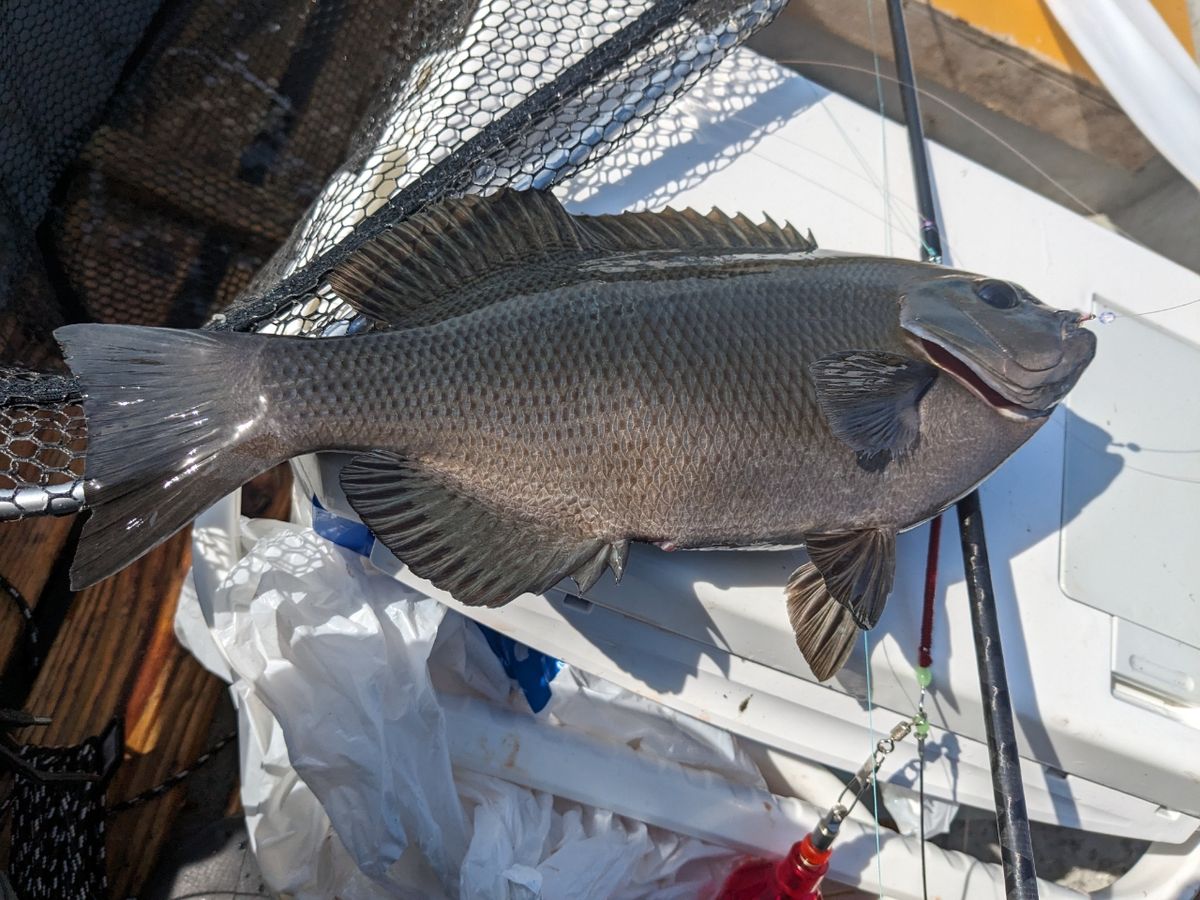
(551, 387)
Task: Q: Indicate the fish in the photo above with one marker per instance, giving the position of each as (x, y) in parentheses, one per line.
(541, 389)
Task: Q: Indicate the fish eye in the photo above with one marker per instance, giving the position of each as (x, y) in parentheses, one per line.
(997, 294)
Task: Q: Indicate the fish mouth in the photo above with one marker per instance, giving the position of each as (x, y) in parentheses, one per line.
(969, 378)
(1014, 353)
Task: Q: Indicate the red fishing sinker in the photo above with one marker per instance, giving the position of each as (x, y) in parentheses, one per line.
(797, 876)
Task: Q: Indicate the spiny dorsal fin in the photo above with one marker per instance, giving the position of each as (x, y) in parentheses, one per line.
(858, 568)
(481, 555)
(422, 270)
(688, 230)
(824, 629)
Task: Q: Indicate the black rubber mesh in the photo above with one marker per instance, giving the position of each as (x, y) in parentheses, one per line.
(227, 154)
(58, 827)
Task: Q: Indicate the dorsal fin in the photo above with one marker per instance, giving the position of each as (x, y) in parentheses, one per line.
(423, 270)
(410, 274)
(688, 230)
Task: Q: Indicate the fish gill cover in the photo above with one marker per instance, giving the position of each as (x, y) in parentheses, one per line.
(177, 164)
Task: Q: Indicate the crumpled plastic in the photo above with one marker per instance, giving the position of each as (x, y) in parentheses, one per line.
(347, 777)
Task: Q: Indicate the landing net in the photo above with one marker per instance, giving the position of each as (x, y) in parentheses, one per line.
(206, 164)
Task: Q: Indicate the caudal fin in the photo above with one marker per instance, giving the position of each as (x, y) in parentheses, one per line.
(174, 423)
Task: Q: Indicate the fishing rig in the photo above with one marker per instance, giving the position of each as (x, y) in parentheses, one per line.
(1020, 878)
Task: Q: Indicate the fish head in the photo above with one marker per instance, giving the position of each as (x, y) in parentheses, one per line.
(1006, 346)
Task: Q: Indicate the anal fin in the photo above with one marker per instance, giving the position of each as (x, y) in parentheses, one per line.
(481, 555)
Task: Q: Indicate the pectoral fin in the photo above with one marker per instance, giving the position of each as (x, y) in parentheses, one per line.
(480, 554)
(869, 398)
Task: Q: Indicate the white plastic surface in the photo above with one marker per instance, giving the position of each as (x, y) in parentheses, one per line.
(706, 634)
(1145, 68)
(754, 137)
(1148, 473)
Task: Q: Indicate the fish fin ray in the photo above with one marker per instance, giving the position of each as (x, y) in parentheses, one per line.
(858, 568)
(870, 399)
(167, 437)
(686, 229)
(417, 272)
(589, 573)
(479, 554)
(618, 554)
(825, 630)
(420, 271)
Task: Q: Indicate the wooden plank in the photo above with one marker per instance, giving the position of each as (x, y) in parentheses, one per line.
(28, 551)
(116, 653)
(90, 670)
(169, 715)
(1031, 25)
(269, 496)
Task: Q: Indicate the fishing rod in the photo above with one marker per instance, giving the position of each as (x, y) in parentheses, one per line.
(1012, 819)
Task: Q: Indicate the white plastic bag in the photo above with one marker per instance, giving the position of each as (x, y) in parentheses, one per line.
(347, 779)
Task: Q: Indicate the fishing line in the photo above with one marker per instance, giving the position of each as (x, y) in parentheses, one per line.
(874, 781)
(1007, 145)
(798, 173)
(887, 238)
(925, 93)
(1108, 316)
(887, 193)
(1060, 422)
(895, 205)
(924, 674)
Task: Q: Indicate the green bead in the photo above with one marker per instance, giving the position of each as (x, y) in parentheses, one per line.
(922, 727)
(924, 676)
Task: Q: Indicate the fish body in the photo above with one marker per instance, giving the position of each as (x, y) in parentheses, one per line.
(542, 399)
(676, 411)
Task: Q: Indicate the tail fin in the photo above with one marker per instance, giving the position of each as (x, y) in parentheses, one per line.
(174, 423)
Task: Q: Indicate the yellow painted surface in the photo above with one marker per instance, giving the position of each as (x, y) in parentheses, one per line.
(1029, 24)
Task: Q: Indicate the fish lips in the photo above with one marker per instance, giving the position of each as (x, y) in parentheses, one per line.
(1022, 359)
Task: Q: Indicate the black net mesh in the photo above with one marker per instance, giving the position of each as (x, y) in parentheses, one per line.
(234, 152)
(58, 826)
